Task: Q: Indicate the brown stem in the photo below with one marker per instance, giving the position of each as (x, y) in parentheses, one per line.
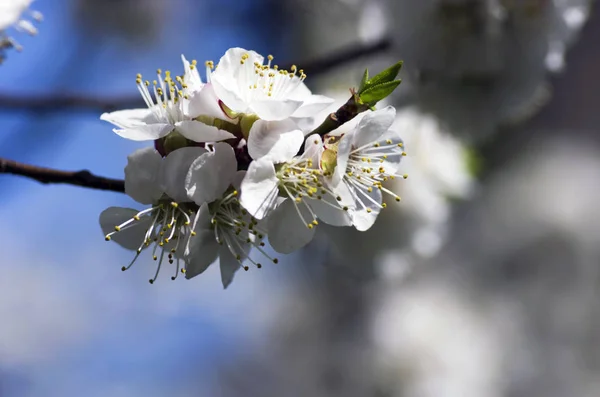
(82, 178)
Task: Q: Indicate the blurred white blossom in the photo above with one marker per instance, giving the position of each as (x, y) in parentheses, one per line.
(437, 169)
(16, 14)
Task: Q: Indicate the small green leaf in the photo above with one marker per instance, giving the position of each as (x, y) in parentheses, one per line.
(364, 81)
(386, 76)
(376, 93)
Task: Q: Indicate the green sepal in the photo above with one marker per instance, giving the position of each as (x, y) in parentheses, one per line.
(386, 76)
(364, 81)
(376, 93)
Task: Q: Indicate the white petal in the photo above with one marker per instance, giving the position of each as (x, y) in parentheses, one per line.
(129, 117)
(142, 176)
(211, 174)
(200, 132)
(373, 125)
(228, 92)
(343, 154)
(259, 188)
(174, 171)
(393, 152)
(203, 103)
(275, 109)
(230, 65)
(137, 124)
(231, 78)
(313, 148)
(229, 265)
(202, 249)
(130, 238)
(191, 77)
(278, 141)
(362, 219)
(287, 231)
(150, 132)
(312, 105)
(328, 210)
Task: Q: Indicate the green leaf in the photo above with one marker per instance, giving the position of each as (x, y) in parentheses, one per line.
(364, 81)
(386, 76)
(376, 93)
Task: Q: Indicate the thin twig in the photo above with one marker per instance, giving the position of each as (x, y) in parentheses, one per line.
(70, 101)
(82, 178)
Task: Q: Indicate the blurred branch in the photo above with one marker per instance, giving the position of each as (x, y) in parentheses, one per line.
(63, 101)
(82, 178)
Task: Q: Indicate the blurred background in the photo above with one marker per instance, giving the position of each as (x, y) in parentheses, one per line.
(484, 280)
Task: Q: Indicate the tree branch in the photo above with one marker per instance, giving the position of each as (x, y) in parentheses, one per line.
(69, 101)
(82, 178)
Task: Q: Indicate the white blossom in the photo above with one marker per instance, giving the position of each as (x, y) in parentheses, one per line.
(292, 194)
(256, 100)
(168, 108)
(222, 228)
(166, 225)
(361, 160)
(246, 85)
(13, 13)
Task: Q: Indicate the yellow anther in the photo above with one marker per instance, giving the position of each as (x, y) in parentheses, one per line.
(384, 205)
(310, 225)
(158, 71)
(403, 153)
(397, 198)
(107, 237)
(117, 228)
(315, 222)
(137, 218)
(174, 204)
(405, 176)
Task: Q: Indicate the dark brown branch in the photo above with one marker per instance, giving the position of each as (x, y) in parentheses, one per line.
(69, 101)
(82, 178)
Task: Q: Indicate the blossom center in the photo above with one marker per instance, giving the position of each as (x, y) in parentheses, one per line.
(368, 167)
(299, 181)
(237, 230)
(167, 225)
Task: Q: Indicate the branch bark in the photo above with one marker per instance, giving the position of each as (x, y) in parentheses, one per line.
(83, 178)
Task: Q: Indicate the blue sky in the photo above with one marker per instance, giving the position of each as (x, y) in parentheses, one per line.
(72, 323)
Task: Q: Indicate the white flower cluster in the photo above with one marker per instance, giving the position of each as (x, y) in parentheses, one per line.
(12, 15)
(231, 165)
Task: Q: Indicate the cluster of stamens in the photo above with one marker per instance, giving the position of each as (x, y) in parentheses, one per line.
(164, 95)
(366, 169)
(169, 226)
(299, 180)
(264, 80)
(235, 228)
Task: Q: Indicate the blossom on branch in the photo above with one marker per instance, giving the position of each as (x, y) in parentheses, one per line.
(233, 169)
